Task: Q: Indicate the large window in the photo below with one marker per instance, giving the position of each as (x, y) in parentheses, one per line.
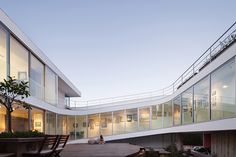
(71, 126)
(19, 57)
(201, 101)
(19, 119)
(2, 118)
(131, 120)
(223, 91)
(61, 124)
(157, 116)
(144, 118)
(187, 106)
(81, 127)
(50, 127)
(36, 78)
(93, 125)
(37, 119)
(2, 54)
(167, 117)
(106, 123)
(118, 122)
(50, 86)
(177, 110)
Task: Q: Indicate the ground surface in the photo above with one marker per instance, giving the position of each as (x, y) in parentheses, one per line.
(99, 150)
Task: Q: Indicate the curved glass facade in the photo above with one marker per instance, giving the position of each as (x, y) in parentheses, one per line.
(211, 98)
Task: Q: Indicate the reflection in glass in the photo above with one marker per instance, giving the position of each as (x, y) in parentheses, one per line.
(144, 118)
(187, 106)
(106, 123)
(157, 116)
(201, 101)
(18, 60)
(177, 113)
(3, 59)
(131, 120)
(223, 91)
(167, 117)
(93, 125)
(118, 122)
(50, 86)
(36, 78)
(37, 118)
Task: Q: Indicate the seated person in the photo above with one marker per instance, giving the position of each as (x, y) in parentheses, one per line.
(101, 140)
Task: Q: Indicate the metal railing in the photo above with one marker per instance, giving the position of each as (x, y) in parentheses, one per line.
(217, 48)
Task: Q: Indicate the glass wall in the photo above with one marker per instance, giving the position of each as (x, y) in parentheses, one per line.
(119, 122)
(106, 123)
(223, 91)
(19, 119)
(81, 127)
(36, 78)
(187, 106)
(3, 59)
(131, 120)
(2, 118)
(177, 110)
(93, 128)
(157, 116)
(61, 124)
(50, 127)
(201, 101)
(144, 118)
(37, 119)
(50, 86)
(167, 117)
(19, 57)
(71, 126)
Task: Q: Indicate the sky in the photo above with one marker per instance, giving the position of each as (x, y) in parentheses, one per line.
(110, 48)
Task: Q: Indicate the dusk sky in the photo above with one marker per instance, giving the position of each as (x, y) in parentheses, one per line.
(111, 48)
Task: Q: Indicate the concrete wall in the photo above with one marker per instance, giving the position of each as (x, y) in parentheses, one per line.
(223, 144)
(61, 98)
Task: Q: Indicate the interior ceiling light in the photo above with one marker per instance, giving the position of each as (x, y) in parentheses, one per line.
(225, 86)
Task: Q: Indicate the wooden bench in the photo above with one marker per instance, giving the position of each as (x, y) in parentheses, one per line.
(46, 148)
(7, 155)
(61, 143)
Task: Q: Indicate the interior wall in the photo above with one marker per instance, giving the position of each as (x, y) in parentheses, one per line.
(223, 144)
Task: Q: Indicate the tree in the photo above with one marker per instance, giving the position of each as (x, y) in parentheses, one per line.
(12, 92)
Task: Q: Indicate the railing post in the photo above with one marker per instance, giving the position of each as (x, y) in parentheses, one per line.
(193, 70)
(210, 54)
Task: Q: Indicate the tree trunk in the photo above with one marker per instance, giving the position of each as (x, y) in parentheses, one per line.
(9, 121)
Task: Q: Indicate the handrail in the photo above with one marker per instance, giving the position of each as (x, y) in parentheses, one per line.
(225, 40)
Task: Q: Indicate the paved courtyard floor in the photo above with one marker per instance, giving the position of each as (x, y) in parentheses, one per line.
(99, 150)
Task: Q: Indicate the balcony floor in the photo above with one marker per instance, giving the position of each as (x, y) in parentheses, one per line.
(99, 150)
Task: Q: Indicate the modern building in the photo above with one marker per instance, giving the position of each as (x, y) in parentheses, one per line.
(201, 100)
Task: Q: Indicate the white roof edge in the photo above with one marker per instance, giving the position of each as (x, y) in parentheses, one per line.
(5, 19)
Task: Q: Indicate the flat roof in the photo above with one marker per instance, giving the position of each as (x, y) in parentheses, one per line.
(68, 86)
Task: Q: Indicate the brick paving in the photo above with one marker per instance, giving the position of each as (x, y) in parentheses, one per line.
(99, 150)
